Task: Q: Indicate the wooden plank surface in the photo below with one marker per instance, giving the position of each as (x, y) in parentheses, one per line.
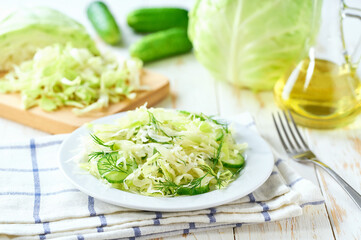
(314, 223)
(193, 89)
(341, 150)
(222, 234)
(308, 226)
(65, 121)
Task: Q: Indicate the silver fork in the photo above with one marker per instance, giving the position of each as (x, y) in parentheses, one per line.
(297, 149)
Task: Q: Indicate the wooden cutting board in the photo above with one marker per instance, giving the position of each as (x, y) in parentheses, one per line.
(65, 121)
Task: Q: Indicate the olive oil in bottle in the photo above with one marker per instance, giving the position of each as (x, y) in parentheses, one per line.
(320, 94)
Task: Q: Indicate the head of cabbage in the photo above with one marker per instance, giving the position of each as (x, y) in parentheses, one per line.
(26, 30)
(252, 43)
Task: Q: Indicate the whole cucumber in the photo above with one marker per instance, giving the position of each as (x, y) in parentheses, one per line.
(162, 44)
(104, 22)
(157, 19)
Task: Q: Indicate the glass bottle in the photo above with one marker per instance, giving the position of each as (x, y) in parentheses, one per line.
(324, 90)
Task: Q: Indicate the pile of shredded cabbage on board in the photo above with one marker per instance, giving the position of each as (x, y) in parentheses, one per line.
(159, 152)
(63, 75)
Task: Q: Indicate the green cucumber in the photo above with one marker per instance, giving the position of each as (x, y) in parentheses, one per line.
(236, 162)
(115, 177)
(162, 44)
(109, 170)
(156, 19)
(193, 191)
(104, 22)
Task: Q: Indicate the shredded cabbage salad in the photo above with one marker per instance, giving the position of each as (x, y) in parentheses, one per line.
(62, 75)
(158, 152)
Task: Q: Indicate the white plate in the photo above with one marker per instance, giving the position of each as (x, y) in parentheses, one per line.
(259, 165)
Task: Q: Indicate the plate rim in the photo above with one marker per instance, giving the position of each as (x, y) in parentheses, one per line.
(161, 208)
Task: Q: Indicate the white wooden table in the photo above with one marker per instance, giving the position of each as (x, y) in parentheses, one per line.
(193, 89)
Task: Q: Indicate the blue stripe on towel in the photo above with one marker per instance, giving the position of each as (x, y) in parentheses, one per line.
(278, 161)
(264, 206)
(211, 217)
(43, 194)
(137, 232)
(265, 213)
(251, 197)
(158, 215)
(91, 206)
(192, 225)
(46, 227)
(295, 181)
(103, 223)
(312, 203)
(103, 220)
(47, 144)
(28, 170)
(37, 193)
(266, 216)
(80, 237)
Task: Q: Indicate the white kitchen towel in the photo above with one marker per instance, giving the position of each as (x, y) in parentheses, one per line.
(37, 202)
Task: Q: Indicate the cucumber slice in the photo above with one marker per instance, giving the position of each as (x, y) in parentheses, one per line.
(115, 177)
(193, 191)
(110, 171)
(236, 162)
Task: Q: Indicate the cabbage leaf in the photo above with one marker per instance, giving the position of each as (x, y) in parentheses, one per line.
(28, 29)
(252, 43)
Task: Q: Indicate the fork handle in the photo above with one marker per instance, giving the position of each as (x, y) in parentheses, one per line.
(355, 196)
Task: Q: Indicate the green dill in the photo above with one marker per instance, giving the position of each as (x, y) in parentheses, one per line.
(238, 171)
(169, 186)
(204, 117)
(196, 182)
(109, 163)
(210, 171)
(153, 121)
(155, 151)
(151, 140)
(182, 161)
(222, 124)
(97, 140)
(95, 155)
(215, 159)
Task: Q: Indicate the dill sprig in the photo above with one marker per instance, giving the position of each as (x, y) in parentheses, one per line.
(238, 171)
(97, 140)
(204, 117)
(210, 171)
(218, 122)
(95, 155)
(156, 124)
(151, 140)
(196, 182)
(217, 155)
(109, 163)
(169, 186)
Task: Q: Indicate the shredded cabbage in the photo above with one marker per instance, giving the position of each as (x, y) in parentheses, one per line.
(158, 152)
(61, 75)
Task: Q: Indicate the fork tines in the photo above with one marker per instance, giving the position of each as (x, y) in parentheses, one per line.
(289, 134)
